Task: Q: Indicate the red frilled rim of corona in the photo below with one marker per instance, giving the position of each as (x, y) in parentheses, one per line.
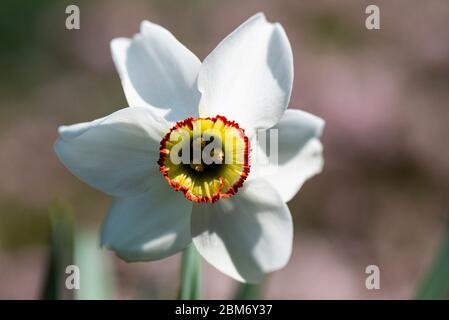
(191, 182)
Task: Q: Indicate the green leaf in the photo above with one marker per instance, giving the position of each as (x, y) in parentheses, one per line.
(96, 276)
(249, 291)
(190, 275)
(61, 251)
(435, 284)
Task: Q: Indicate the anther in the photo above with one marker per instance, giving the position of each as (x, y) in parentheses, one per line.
(197, 167)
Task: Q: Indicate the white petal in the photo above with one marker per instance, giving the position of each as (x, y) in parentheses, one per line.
(74, 130)
(150, 226)
(157, 71)
(247, 235)
(117, 154)
(248, 77)
(299, 153)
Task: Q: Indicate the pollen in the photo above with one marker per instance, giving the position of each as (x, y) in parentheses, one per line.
(205, 158)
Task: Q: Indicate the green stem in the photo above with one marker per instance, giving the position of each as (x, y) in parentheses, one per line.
(248, 291)
(190, 275)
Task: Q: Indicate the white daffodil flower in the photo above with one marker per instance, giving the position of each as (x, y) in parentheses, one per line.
(235, 213)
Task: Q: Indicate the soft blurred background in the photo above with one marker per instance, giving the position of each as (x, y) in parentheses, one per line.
(382, 198)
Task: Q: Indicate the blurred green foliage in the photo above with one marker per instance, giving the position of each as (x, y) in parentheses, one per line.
(61, 251)
(81, 249)
(22, 225)
(35, 45)
(330, 28)
(435, 284)
(18, 19)
(96, 274)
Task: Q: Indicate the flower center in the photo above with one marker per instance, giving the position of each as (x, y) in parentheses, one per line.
(205, 158)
